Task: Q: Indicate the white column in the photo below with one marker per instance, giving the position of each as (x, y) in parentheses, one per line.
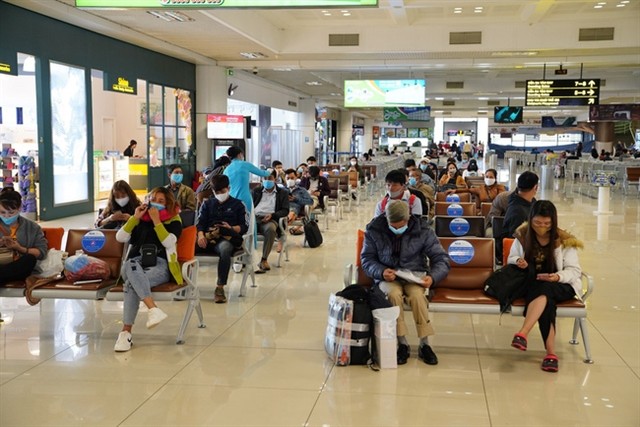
(307, 125)
(211, 84)
(368, 134)
(345, 129)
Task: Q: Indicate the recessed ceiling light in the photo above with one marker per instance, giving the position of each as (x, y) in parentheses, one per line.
(477, 11)
(457, 11)
(439, 98)
(314, 83)
(346, 14)
(327, 14)
(344, 11)
(478, 7)
(620, 5)
(602, 2)
(597, 6)
(253, 55)
(624, 1)
(335, 94)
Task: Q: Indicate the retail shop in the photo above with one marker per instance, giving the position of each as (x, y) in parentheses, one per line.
(71, 101)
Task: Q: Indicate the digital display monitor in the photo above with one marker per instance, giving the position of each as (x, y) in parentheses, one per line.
(507, 114)
(384, 93)
(223, 126)
(219, 151)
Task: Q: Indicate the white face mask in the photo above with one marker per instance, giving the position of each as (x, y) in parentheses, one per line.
(489, 181)
(353, 162)
(123, 202)
(291, 183)
(222, 197)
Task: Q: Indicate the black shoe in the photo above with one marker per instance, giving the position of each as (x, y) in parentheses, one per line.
(403, 354)
(426, 353)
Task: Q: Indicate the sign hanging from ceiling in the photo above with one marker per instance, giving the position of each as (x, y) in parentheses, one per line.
(405, 114)
(204, 4)
(8, 62)
(554, 93)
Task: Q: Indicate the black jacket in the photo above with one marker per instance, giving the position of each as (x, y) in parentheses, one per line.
(282, 201)
(517, 212)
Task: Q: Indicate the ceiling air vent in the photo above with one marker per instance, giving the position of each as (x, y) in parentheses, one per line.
(446, 113)
(344, 39)
(448, 103)
(595, 34)
(482, 112)
(465, 37)
(491, 103)
(521, 84)
(455, 85)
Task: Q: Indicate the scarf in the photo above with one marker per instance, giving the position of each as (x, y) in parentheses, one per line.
(164, 215)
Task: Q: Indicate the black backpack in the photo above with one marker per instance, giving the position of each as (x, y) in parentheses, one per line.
(312, 233)
(506, 285)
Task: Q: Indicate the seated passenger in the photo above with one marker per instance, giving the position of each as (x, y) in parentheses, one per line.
(518, 208)
(223, 221)
(22, 241)
(396, 182)
(298, 199)
(270, 203)
(485, 193)
(156, 223)
(452, 179)
(280, 174)
(354, 166)
(184, 195)
(551, 257)
(121, 205)
(472, 169)
(317, 185)
(397, 241)
(498, 208)
(427, 190)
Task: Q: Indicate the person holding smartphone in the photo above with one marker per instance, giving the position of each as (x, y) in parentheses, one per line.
(155, 223)
(550, 254)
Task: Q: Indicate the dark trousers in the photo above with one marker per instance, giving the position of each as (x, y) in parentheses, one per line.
(17, 270)
(555, 293)
(224, 249)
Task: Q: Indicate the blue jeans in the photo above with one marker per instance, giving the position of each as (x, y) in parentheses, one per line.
(138, 282)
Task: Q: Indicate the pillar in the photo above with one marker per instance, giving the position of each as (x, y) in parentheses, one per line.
(345, 130)
(307, 108)
(211, 97)
(605, 135)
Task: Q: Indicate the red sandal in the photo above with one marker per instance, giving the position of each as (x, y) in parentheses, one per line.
(550, 363)
(519, 342)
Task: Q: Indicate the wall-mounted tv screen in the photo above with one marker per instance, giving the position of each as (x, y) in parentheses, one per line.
(384, 93)
(507, 114)
(223, 126)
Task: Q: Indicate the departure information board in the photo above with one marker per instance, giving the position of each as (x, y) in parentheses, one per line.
(553, 93)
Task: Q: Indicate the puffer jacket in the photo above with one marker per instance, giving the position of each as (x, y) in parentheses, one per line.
(418, 244)
(565, 254)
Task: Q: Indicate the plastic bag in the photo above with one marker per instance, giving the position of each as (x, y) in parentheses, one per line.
(84, 267)
(51, 265)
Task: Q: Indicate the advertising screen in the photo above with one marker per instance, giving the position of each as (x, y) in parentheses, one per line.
(222, 126)
(507, 114)
(384, 93)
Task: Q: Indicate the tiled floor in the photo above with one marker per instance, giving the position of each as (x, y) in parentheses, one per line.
(260, 360)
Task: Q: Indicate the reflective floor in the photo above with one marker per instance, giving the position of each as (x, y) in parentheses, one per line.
(260, 361)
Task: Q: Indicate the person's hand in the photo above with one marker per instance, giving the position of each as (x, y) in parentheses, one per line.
(140, 211)
(548, 277)
(202, 241)
(224, 224)
(522, 263)
(316, 193)
(154, 214)
(389, 274)
(427, 281)
(291, 198)
(12, 244)
(450, 191)
(266, 218)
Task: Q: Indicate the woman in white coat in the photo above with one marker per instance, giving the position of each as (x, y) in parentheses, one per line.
(551, 257)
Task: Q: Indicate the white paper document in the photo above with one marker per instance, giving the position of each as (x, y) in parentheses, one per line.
(411, 276)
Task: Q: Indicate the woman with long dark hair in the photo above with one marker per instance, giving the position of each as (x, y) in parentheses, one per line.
(121, 205)
(550, 255)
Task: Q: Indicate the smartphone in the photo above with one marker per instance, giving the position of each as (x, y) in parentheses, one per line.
(543, 276)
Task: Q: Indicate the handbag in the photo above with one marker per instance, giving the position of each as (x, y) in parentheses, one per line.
(149, 254)
(506, 285)
(6, 256)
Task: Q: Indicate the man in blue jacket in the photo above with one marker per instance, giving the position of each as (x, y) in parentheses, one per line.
(226, 217)
(398, 243)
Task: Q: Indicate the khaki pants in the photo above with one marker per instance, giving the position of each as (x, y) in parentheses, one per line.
(417, 301)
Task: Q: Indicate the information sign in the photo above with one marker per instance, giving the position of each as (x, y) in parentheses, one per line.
(553, 93)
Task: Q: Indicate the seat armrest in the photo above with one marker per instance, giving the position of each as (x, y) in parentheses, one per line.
(347, 278)
(283, 223)
(590, 286)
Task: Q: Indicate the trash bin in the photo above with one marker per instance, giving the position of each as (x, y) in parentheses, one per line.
(546, 180)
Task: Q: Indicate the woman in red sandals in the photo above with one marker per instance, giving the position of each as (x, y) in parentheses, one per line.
(550, 254)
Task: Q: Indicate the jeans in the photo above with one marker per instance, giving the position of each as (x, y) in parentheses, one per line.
(138, 283)
(224, 249)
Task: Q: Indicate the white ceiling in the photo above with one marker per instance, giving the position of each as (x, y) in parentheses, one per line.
(398, 39)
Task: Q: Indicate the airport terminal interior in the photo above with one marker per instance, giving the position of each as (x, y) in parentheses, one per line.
(259, 359)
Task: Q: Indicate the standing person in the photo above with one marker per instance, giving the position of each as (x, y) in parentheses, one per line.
(551, 256)
(238, 172)
(184, 195)
(229, 217)
(579, 149)
(128, 152)
(122, 203)
(396, 241)
(154, 223)
(21, 237)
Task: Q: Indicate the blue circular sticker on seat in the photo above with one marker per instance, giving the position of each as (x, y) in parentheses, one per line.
(454, 209)
(461, 251)
(93, 241)
(452, 198)
(459, 226)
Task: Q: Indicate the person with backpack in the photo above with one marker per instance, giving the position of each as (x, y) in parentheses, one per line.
(396, 182)
(397, 247)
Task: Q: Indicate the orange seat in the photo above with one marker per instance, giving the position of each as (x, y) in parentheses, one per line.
(506, 248)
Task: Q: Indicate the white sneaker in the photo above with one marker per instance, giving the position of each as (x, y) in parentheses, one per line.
(124, 342)
(155, 317)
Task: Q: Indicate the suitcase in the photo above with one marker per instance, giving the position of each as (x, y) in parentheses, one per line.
(348, 332)
(312, 234)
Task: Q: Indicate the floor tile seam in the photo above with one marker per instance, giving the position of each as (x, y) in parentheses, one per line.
(614, 350)
(482, 377)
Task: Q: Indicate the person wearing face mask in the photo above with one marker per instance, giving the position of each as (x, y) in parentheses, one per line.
(485, 193)
(22, 241)
(550, 256)
(156, 223)
(230, 217)
(427, 190)
(280, 175)
(298, 199)
(317, 185)
(122, 203)
(354, 166)
(397, 241)
(183, 194)
(238, 172)
(452, 179)
(270, 203)
(396, 183)
(472, 169)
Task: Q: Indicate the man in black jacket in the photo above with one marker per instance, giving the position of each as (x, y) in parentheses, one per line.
(520, 202)
(270, 203)
(317, 185)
